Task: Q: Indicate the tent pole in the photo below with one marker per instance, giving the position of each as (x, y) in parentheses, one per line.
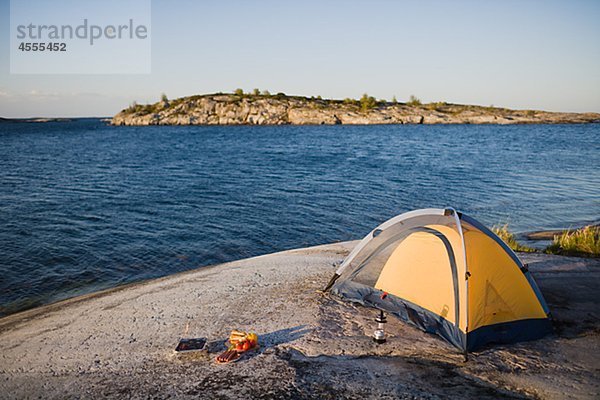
(331, 282)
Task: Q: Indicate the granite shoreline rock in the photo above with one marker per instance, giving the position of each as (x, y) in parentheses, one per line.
(119, 343)
(233, 109)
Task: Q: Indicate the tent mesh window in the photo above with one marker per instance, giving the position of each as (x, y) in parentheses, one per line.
(366, 267)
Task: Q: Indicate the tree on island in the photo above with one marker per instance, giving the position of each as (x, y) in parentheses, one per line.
(394, 100)
(239, 92)
(256, 92)
(133, 106)
(367, 102)
(414, 101)
(164, 98)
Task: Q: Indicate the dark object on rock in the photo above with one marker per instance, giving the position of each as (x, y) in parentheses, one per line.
(191, 345)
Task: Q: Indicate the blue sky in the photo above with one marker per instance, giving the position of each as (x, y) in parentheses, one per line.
(519, 54)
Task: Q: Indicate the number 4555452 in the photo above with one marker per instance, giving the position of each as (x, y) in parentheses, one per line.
(24, 46)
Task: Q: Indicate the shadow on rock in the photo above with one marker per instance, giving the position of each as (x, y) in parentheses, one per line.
(266, 341)
(333, 377)
(570, 287)
(282, 336)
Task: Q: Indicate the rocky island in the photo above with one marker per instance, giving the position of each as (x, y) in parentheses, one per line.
(265, 109)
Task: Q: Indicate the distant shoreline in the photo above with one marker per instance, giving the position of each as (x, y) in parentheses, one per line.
(109, 121)
(35, 120)
(281, 109)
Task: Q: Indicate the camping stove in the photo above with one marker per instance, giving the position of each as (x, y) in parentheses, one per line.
(379, 334)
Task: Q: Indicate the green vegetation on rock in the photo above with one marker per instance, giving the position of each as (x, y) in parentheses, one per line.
(581, 242)
(437, 106)
(352, 102)
(414, 101)
(510, 239)
(367, 102)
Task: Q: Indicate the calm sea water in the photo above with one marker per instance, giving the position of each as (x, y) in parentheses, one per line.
(85, 206)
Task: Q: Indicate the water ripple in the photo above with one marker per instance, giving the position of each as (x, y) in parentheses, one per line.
(85, 206)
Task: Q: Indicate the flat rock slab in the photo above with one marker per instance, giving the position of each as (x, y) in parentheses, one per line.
(119, 343)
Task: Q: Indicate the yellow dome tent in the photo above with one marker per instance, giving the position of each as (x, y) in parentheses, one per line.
(447, 274)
